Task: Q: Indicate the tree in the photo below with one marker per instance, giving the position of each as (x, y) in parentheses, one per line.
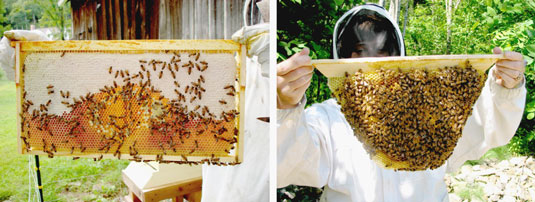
(4, 23)
(394, 10)
(450, 10)
(55, 15)
(23, 13)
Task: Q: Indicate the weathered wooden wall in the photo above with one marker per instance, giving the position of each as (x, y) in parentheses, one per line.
(114, 19)
(158, 19)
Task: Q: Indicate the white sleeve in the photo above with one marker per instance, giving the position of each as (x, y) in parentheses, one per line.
(494, 121)
(302, 154)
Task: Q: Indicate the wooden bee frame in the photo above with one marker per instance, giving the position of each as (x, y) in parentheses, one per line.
(128, 106)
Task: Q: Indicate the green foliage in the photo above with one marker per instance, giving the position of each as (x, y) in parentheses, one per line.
(471, 192)
(298, 193)
(56, 16)
(309, 23)
(21, 14)
(4, 24)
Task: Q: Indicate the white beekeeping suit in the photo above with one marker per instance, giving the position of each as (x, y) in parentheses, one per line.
(316, 146)
(7, 53)
(248, 181)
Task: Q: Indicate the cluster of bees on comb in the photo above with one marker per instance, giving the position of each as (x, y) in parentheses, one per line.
(134, 116)
(413, 116)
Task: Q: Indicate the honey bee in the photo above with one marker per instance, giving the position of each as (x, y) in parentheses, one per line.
(109, 70)
(50, 86)
(230, 87)
(222, 102)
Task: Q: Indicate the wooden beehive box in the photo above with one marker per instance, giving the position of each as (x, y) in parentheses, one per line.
(166, 100)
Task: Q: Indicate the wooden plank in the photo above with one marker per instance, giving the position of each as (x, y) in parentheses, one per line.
(94, 18)
(337, 68)
(153, 12)
(192, 20)
(164, 21)
(123, 45)
(143, 14)
(101, 21)
(219, 22)
(132, 19)
(117, 22)
(131, 185)
(226, 11)
(107, 19)
(176, 189)
(81, 33)
(75, 6)
(177, 20)
(125, 19)
(241, 103)
(20, 87)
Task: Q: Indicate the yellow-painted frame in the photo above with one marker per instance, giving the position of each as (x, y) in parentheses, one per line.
(136, 46)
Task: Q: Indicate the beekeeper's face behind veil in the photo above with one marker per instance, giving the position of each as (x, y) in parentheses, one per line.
(367, 31)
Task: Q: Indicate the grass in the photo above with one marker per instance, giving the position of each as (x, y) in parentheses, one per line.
(471, 192)
(63, 179)
(494, 154)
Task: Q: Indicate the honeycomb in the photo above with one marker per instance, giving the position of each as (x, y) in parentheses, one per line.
(177, 106)
(410, 118)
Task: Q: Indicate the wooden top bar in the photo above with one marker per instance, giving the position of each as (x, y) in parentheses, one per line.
(338, 67)
(127, 45)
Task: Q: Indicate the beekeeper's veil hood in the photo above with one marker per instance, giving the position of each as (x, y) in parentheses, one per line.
(345, 29)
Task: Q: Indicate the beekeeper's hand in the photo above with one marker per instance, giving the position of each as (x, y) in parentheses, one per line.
(293, 78)
(509, 72)
(256, 40)
(7, 53)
